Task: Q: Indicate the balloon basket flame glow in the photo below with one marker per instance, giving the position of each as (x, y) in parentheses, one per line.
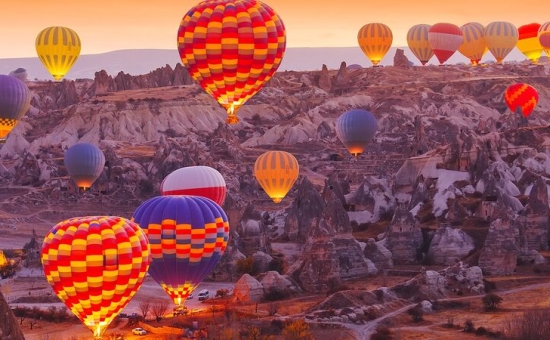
(277, 200)
(98, 333)
(232, 114)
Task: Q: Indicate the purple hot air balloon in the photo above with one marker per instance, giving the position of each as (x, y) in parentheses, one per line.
(84, 162)
(356, 128)
(15, 100)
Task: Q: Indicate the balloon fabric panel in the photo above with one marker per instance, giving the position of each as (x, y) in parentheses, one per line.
(58, 49)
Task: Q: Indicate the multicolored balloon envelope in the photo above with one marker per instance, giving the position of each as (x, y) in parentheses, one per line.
(188, 236)
(473, 46)
(231, 48)
(544, 37)
(276, 171)
(15, 100)
(375, 40)
(58, 49)
(501, 38)
(528, 42)
(521, 96)
(84, 162)
(417, 40)
(96, 264)
(195, 180)
(355, 129)
(444, 39)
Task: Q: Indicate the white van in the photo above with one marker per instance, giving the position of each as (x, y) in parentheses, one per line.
(204, 294)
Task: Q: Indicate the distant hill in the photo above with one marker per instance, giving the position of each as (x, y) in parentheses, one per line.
(143, 61)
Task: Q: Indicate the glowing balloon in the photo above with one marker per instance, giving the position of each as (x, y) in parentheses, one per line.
(417, 39)
(544, 37)
(231, 48)
(84, 162)
(521, 96)
(501, 38)
(58, 48)
(444, 39)
(188, 236)
(95, 264)
(195, 180)
(355, 129)
(528, 42)
(375, 40)
(15, 100)
(473, 46)
(276, 171)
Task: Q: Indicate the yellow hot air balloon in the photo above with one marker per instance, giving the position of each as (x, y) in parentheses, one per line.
(58, 48)
(276, 171)
(375, 40)
(528, 42)
(417, 39)
(473, 46)
(501, 38)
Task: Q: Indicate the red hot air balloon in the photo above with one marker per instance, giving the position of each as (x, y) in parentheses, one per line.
(231, 48)
(444, 39)
(195, 180)
(96, 264)
(522, 97)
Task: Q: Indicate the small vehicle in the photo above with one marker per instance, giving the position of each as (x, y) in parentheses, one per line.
(204, 294)
(139, 331)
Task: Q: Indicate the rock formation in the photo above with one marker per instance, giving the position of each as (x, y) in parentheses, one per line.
(324, 79)
(403, 237)
(9, 326)
(248, 289)
(448, 245)
(380, 256)
(400, 60)
(304, 212)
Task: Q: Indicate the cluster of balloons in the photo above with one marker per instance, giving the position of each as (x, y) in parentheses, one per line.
(472, 40)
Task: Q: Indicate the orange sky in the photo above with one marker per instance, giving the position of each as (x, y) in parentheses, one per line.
(107, 25)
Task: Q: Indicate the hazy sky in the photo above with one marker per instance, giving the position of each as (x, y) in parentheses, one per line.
(107, 25)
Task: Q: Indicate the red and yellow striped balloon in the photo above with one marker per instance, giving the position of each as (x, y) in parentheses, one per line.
(528, 42)
(231, 48)
(444, 39)
(521, 96)
(96, 264)
(544, 37)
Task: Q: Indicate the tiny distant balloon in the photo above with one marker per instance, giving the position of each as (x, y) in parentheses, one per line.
(501, 37)
(15, 100)
(84, 162)
(276, 171)
(445, 38)
(529, 43)
(58, 49)
(473, 46)
(20, 74)
(195, 180)
(355, 129)
(375, 40)
(521, 96)
(417, 40)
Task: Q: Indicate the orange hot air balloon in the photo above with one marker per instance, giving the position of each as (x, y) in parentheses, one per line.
(528, 42)
(501, 38)
(522, 97)
(417, 39)
(473, 46)
(444, 39)
(276, 171)
(96, 264)
(375, 40)
(231, 48)
(544, 37)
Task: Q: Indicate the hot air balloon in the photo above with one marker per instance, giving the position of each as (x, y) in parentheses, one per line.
(528, 42)
(444, 39)
(501, 38)
(84, 162)
(231, 48)
(521, 97)
(417, 39)
(20, 74)
(355, 129)
(375, 40)
(473, 46)
(58, 48)
(195, 180)
(188, 236)
(15, 100)
(96, 264)
(276, 171)
(544, 37)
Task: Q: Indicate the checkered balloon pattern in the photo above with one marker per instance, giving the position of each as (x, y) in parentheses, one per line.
(96, 264)
(521, 96)
(231, 48)
(188, 236)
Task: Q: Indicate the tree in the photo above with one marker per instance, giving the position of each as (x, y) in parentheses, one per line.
(159, 309)
(245, 265)
(254, 333)
(144, 308)
(416, 313)
(491, 301)
(532, 325)
(297, 330)
(469, 326)
(222, 293)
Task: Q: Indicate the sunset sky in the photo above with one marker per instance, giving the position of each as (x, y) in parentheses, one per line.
(107, 25)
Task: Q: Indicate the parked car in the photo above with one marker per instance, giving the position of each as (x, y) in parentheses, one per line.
(204, 294)
(139, 331)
